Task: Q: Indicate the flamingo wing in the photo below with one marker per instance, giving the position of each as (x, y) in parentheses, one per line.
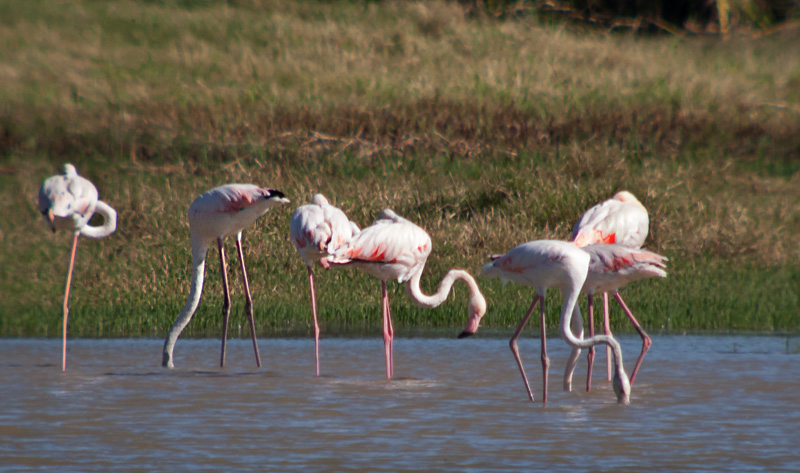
(396, 244)
(612, 222)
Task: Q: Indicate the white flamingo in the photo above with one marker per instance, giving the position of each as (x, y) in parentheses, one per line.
(67, 201)
(219, 213)
(544, 264)
(620, 220)
(393, 248)
(318, 229)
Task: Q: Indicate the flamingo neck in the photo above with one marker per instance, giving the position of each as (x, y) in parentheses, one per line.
(570, 301)
(622, 385)
(196, 290)
(109, 222)
(429, 302)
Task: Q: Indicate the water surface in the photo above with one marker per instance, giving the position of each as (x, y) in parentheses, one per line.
(699, 404)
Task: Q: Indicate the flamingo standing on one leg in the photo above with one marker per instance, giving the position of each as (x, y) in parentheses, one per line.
(549, 263)
(621, 220)
(219, 213)
(67, 201)
(610, 268)
(393, 248)
(318, 230)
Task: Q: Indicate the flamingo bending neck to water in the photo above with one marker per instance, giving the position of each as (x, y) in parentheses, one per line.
(318, 229)
(394, 248)
(620, 220)
(67, 201)
(610, 268)
(544, 264)
(219, 213)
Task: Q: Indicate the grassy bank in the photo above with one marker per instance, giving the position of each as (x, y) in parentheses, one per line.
(486, 133)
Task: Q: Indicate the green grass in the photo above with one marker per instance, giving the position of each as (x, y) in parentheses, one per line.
(486, 133)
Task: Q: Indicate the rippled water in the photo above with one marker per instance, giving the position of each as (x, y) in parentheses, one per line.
(699, 404)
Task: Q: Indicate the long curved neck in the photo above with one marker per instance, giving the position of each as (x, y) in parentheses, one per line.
(196, 290)
(622, 385)
(429, 302)
(570, 301)
(109, 222)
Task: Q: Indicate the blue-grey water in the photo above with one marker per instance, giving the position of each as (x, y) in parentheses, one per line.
(700, 403)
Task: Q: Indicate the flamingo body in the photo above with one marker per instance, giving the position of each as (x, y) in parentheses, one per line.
(394, 248)
(219, 213)
(614, 266)
(318, 229)
(622, 220)
(67, 202)
(544, 264)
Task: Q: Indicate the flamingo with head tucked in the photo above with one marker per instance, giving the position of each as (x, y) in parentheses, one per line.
(67, 201)
(544, 264)
(219, 213)
(394, 248)
(621, 220)
(318, 229)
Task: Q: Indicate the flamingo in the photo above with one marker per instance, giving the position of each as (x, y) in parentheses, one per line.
(621, 220)
(67, 201)
(219, 213)
(610, 268)
(393, 248)
(317, 230)
(544, 264)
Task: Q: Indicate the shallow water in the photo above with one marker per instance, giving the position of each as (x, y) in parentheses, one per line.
(699, 404)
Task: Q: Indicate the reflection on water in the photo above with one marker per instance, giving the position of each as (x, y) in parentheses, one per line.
(699, 404)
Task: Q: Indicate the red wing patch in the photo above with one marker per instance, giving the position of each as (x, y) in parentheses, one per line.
(506, 264)
(595, 237)
(242, 201)
(621, 263)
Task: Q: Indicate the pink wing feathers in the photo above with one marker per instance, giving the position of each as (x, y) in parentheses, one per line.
(392, 240)
(622, 220)
(613, 266)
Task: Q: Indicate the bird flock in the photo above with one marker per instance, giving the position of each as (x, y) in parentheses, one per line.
(604, 254)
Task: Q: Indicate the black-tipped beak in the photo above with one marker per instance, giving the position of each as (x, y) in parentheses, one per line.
(275, 194)
(465, 334)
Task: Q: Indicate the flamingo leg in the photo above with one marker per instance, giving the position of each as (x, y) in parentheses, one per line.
(314, 312)
(607, 331)
(66, 301)
(545, 358)
(391, 335)
(515, 349)
(226, 300)
(248, 305)
(646, 342)
(590, 356)
(387, 330)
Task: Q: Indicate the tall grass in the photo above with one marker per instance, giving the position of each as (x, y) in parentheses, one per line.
(486, 133)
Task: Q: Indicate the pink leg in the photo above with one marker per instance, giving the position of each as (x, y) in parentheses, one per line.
(66, 301)
(646, 342)
(391, 335)
(515, 349)
(248, 305)
(545, 358)
(607, 331)
(387, 330)
(590, 356)
(314, 312)
(226, 300)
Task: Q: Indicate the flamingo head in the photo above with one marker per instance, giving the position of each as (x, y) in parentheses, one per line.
(477, 309)
(622, 386)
